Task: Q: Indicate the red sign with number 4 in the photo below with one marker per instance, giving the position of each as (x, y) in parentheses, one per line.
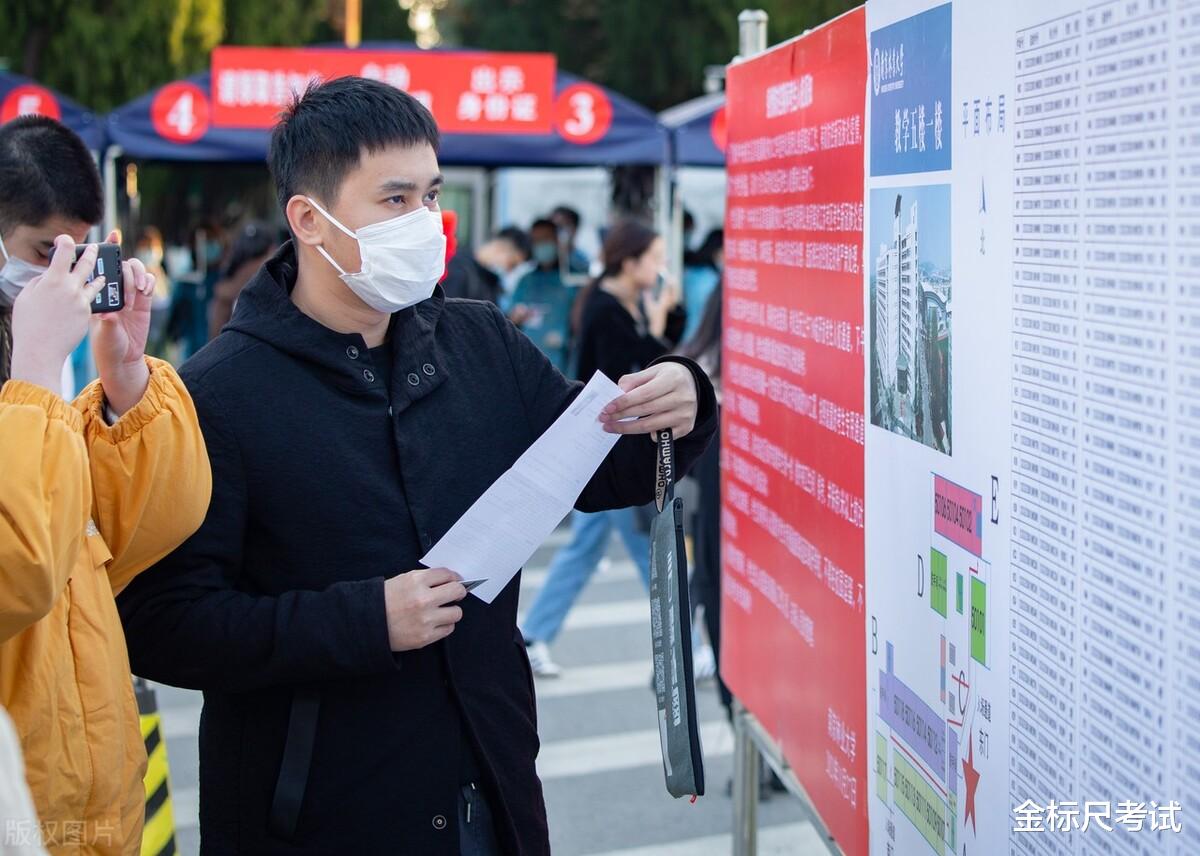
(180, 112)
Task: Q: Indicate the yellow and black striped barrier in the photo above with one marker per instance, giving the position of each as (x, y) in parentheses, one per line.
(158, 835)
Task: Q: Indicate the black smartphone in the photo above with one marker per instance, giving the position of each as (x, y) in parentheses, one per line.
(111, 298)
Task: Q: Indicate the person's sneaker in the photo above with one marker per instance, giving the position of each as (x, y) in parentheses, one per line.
(540, 660)
(704, 664)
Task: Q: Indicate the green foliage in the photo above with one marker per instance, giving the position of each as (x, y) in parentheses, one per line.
(105, 52)
(273, 22)
(654, 52)
(382, 21)
(196, 27)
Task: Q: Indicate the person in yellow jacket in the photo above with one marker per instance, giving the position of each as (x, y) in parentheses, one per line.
(91, 494)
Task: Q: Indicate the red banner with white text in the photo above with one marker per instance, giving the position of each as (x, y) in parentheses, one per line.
(467, 91)
(794, 639)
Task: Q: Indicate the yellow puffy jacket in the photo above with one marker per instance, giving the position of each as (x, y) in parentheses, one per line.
(85, 507)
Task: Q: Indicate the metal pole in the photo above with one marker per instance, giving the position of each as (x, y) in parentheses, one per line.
(752, 39)
(752, 32)
(745, 786)
(353, 31)
(662, 210)
(675, 263)
(110, 188)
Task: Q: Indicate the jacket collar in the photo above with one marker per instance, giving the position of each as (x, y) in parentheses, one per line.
(265, 311)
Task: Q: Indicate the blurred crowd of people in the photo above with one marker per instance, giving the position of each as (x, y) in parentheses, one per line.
(616, 314)
(538, 276)
(197, 284)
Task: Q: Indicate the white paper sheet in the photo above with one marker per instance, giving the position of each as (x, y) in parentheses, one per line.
(504, 527)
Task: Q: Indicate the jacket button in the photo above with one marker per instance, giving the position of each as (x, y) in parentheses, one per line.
(439, 821)
(413, 379)
(368, 376)
(429, 369)
(426, 540)
(352, 352)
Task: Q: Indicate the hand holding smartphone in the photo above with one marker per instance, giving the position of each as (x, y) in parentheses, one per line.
(111, 298)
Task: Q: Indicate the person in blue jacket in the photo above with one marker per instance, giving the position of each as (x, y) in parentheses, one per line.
(541, 303)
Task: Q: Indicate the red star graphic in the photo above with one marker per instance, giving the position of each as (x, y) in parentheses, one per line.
(971, 777)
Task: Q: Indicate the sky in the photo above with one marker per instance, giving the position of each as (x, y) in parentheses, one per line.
(933, 215)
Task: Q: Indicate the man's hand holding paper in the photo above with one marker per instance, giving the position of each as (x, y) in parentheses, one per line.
(504, 527)
(662, 396)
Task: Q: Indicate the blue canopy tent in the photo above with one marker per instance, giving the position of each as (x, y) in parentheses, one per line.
(136, 131)
(695, 126)
(634, 137)
(19, 95)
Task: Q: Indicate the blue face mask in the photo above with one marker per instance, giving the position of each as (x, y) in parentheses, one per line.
(545, 253)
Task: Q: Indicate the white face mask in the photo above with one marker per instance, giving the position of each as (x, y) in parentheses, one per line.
(15, 275)
(402, 259)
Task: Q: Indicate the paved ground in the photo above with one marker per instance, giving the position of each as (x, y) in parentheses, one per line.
(600, 758)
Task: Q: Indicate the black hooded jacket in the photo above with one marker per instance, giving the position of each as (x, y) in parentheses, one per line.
(325, 483)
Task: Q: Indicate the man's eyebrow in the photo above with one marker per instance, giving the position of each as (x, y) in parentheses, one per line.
(408, 186)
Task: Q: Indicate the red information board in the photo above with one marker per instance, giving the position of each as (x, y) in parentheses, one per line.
(794, 633)
(467, 91)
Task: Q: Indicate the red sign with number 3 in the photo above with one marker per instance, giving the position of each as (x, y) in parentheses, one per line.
(583, 113)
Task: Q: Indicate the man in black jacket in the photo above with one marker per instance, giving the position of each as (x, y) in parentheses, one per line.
(352, 414)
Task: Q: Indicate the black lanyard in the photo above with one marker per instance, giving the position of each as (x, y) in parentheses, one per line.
(664, 479)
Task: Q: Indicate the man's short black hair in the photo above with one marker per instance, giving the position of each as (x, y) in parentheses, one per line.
(543, 223)
(517, 237)
(569, 214)
(321, 137)
(46, 171)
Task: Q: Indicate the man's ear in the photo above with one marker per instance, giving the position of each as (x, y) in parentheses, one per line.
(303, 219)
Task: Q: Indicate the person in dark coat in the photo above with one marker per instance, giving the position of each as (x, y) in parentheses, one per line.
(255, 243)
(352, 704)
(480, 275)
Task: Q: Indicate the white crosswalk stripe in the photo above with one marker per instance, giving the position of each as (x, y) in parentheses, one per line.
(621, 751)
(185, 807)
(791, 839)
(616, 614)
(181, 720)
(611, 571)
(581, 680)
